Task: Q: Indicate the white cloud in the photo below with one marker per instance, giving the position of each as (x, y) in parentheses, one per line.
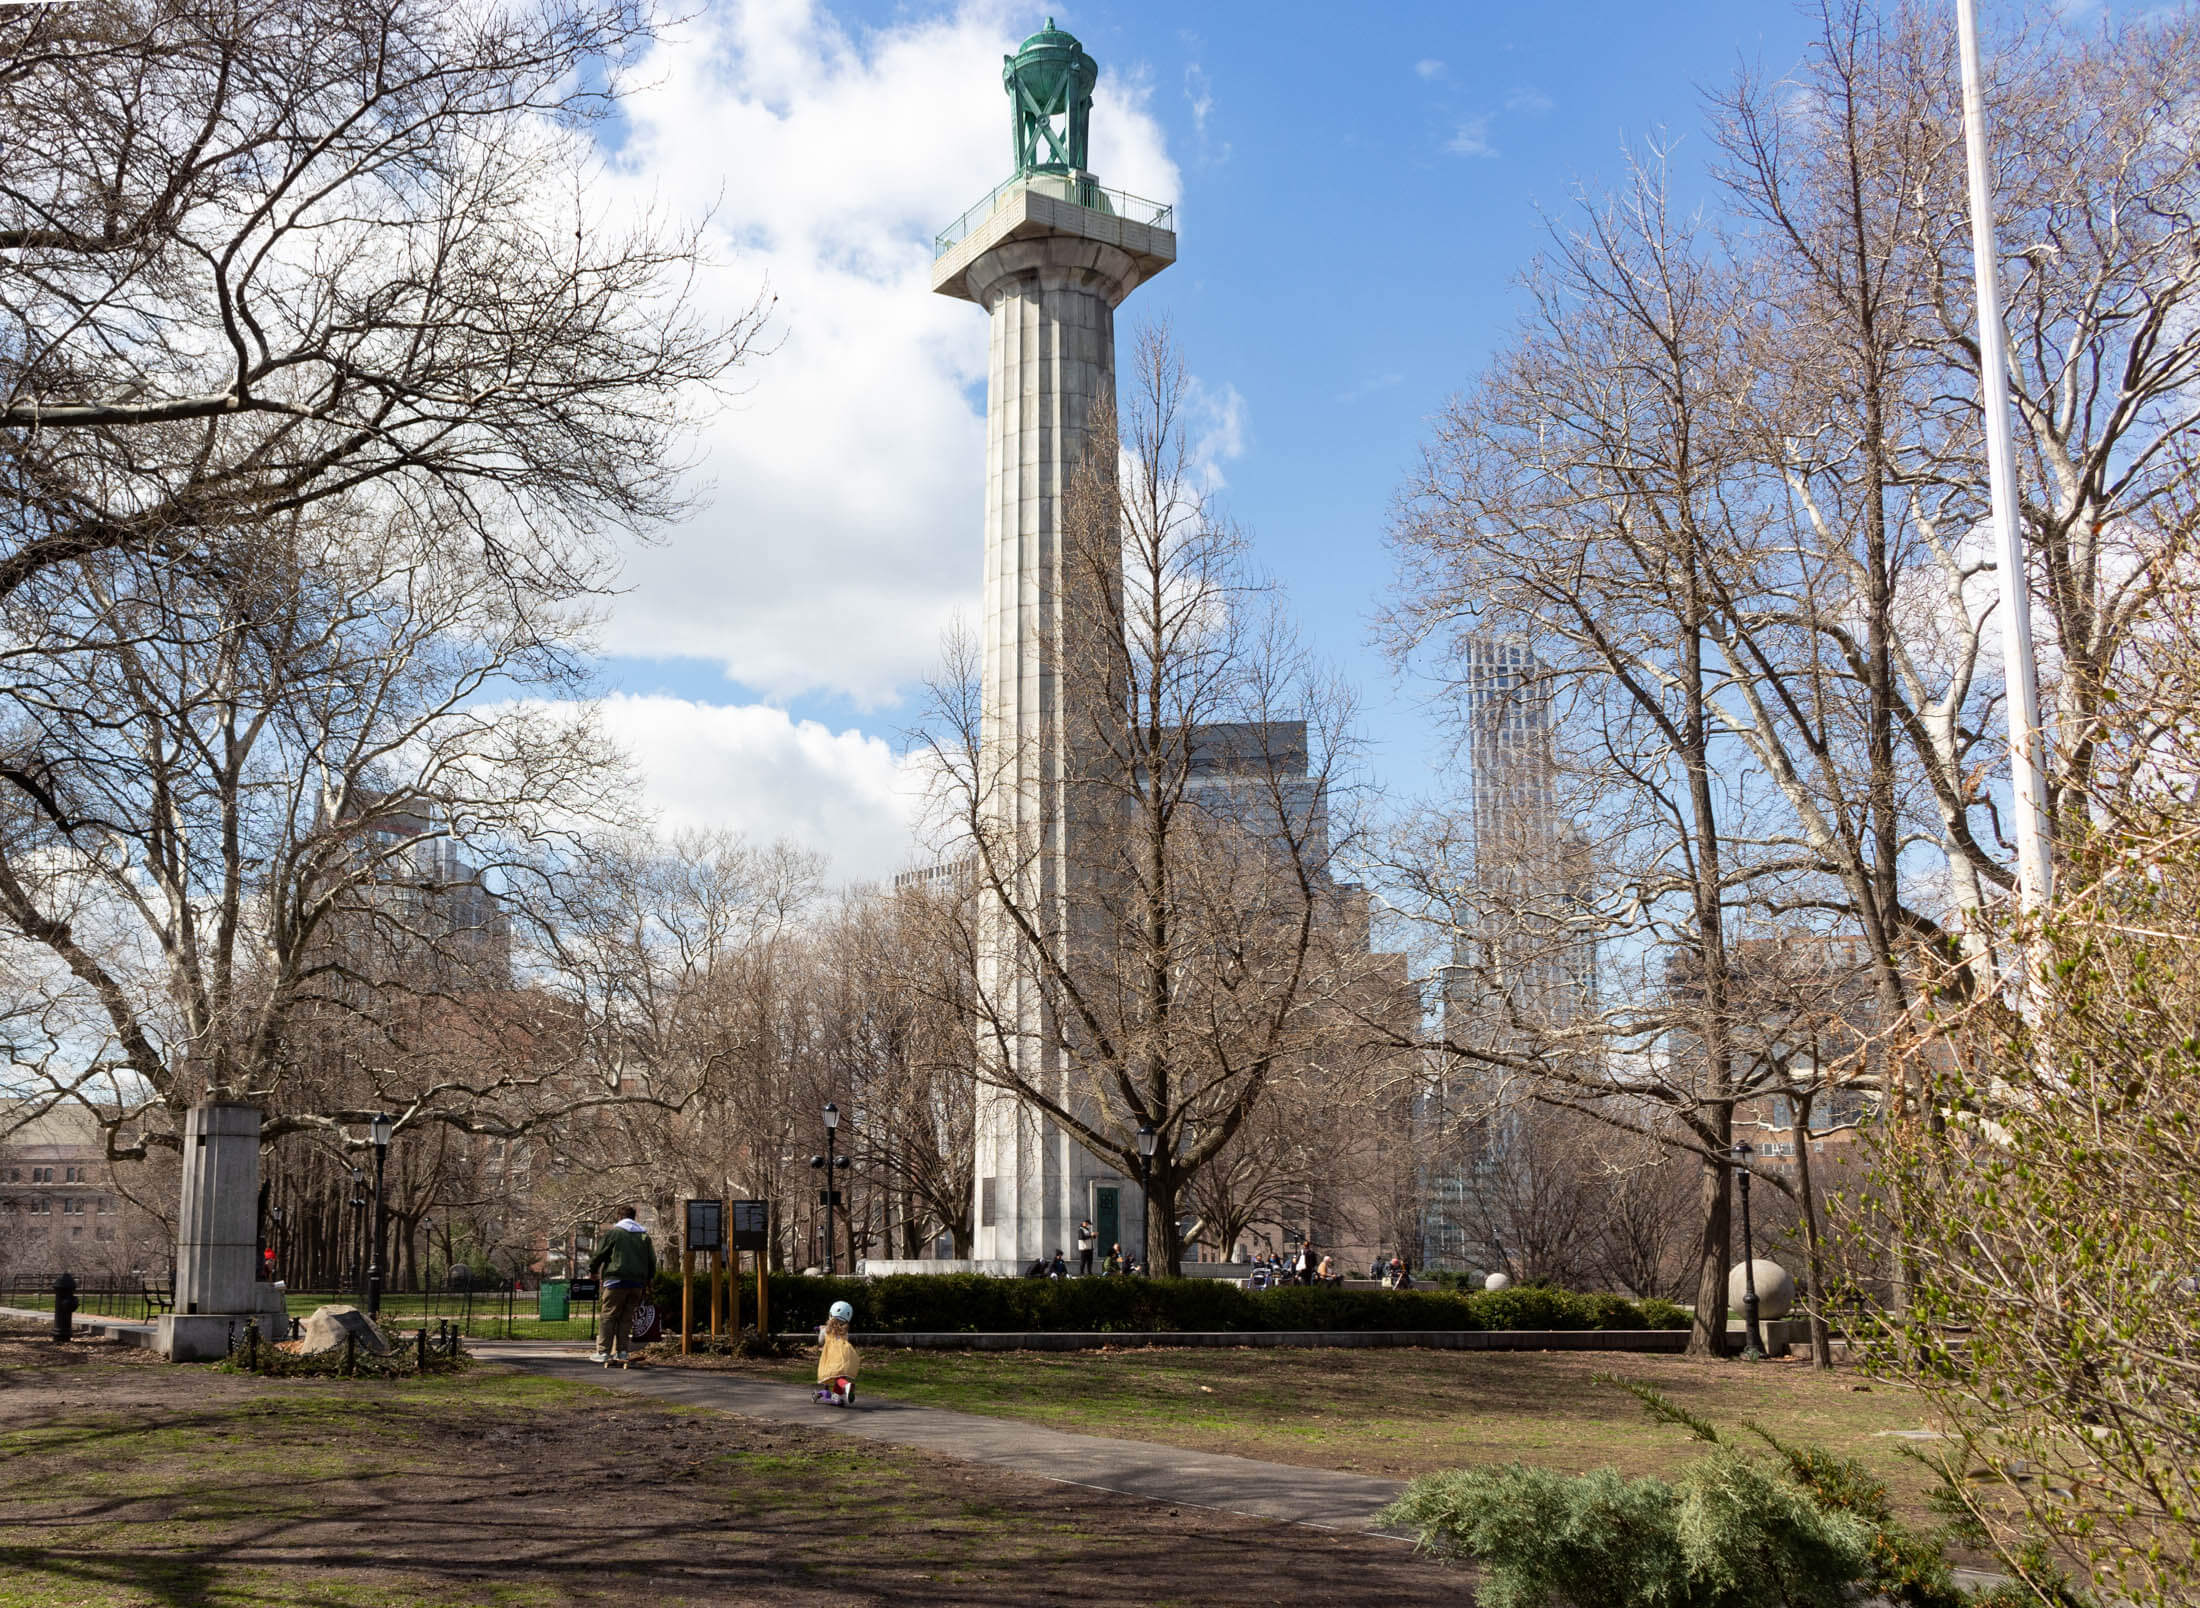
(753, 770)
(1429, 67)
(1199, 92)
(1215, 426)
(1531, 102)
(1472, 139)
(844, 526)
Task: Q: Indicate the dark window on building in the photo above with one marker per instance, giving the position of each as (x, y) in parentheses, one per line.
(985, 1203)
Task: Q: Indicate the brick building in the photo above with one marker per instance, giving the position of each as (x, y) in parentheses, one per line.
(60, 1207)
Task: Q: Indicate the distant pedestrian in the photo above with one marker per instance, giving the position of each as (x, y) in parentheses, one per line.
(1305, 1266)
(626, 1262)
(1057, 1269)
(1327, 1272)
(1115, 1261)
(1376, 1269)
(1084, 1249)
(1038, 1268)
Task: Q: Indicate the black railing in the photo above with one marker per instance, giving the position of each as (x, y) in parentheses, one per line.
(96, 1296)
(487, 1313)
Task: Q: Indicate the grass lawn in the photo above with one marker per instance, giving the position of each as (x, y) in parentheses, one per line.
(126, 1482)
(1407, 1412)
(486, 1322)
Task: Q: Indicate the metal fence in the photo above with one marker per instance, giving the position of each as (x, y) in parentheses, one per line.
(95, 1297)
(1083, 192)
(479, 1314)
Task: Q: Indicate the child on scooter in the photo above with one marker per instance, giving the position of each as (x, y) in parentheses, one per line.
(838, 1361)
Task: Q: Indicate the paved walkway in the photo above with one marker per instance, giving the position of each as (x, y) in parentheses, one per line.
(1320, 1497)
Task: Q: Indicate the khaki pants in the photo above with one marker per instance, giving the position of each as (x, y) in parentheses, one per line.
(618, 1317)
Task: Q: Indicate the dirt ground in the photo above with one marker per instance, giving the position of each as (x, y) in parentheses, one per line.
(127, 1481)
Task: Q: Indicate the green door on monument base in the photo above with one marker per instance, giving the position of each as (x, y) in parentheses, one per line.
(1107, 1214)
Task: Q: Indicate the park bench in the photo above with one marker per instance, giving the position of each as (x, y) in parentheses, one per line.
(157, 1298)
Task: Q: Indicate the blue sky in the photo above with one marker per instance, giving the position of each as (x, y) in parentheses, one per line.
(1358, 190)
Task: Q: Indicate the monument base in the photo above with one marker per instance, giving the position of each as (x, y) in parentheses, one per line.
(197, 1336)
(208, 1336)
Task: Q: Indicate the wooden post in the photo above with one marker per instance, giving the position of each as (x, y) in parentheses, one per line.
(687, 1288)
(717, 1288)
(763, 1282)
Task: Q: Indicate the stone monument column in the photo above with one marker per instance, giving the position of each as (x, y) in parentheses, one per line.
(1050, 255)
(217, 1235)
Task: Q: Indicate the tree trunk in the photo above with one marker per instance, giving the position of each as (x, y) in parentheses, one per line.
(1707, 1337)
(1164, 1257)
(1821, 1341)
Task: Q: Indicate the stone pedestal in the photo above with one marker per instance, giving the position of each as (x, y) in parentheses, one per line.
(217, 1235)
(1050, 272)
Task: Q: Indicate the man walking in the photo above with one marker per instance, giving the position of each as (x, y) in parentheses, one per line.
(1084, 1249)
(626, 1262)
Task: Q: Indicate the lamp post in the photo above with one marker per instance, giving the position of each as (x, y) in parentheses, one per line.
(833, 1165)
(358, 1273)
(1753, 1345)
(1146, 1141)
(378, 1131)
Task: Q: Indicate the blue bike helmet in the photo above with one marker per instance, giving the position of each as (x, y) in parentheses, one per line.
(843, 1311)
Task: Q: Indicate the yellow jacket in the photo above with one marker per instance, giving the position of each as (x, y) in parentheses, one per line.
(837, 1358)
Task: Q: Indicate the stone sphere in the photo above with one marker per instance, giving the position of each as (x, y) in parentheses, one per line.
(1775, 1289)
(1497, 1281)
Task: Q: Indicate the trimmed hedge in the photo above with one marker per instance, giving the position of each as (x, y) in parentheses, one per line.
(967, 1303)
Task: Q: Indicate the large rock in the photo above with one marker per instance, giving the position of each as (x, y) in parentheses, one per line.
(1775, 1289)
(326, 1329)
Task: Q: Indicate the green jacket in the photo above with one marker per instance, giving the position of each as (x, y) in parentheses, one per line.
(625, 1256)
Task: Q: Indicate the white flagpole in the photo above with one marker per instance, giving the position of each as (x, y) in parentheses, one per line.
(2035, 872)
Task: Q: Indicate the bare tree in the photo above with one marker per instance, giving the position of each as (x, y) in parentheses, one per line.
(1572, 501)
(1182, 970)
(1762, 441)
(683, 960)
(902, 1054)
(255, 256)
(2053, 1228)
(235, 805)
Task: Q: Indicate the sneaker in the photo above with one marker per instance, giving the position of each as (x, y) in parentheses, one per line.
(599, 1356)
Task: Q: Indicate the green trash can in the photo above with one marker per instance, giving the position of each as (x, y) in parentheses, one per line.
(552, 1303)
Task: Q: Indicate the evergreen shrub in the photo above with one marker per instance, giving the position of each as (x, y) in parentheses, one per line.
(967, 1303)
(1729, 1534)
(1802, 1528)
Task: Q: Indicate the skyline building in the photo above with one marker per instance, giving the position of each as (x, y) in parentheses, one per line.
(1523, 963)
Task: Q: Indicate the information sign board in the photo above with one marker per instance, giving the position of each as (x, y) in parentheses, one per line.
(706, 1225)
(751, 1225)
